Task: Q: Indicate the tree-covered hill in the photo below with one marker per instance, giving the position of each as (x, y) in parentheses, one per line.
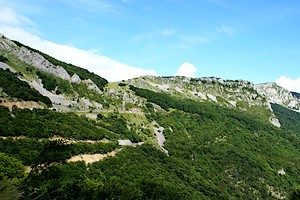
(213, 153)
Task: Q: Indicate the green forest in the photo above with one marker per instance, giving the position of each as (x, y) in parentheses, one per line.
(213, 153)
(14, 87)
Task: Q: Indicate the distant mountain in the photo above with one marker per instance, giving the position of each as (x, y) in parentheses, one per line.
(279, 95)
(67, 133)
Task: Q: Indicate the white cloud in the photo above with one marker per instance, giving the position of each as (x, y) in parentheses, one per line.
(9, 17)
(92, 60)
(289, 84)
(186, 69)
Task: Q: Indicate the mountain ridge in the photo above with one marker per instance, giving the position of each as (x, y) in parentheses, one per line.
(148, 137)
(270, 91)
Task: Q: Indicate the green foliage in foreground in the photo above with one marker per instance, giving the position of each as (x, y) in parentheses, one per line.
(28, 150)
(16, 88)
(117, 124)
(214, 153)
(136, 173)
(10, 167)
(71, 69)
(43, 123)
(9, 190)
(210, 157)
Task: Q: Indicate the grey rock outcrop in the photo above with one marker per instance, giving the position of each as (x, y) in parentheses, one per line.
(276, 94)
(34, 59)
(75, 79)
(92, 86)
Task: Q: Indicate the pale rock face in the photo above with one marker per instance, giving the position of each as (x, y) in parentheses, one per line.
(212, 97)
(98, 105)
(199, 94)
(91, 115)
(92, 86)
(7, 44)
(41, 63)
(57, 99)
(159, 135)
(34, 59)
(178, 89)
(5, 66)
(281, 172)
(75, 79)
(164, 87)
(124, 142)
(276, 94)
(86, 102)
(232, 103)
(275, 122)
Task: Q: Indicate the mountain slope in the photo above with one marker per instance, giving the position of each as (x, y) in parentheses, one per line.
(143, 138)
(67, 86)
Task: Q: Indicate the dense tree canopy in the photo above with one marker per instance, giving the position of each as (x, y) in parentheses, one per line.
(14, 87)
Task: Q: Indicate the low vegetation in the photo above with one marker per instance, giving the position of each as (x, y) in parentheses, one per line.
(3, 59)
(16, 88)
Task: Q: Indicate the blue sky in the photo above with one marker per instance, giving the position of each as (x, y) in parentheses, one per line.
(256, 40)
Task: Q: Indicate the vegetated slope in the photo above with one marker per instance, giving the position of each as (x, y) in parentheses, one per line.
(16, 88)
(26, 135)
(214, 153)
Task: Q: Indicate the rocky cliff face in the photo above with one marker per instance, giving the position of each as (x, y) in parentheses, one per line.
(276, 94)
(70, 98)
(33, 59)
(228, 93)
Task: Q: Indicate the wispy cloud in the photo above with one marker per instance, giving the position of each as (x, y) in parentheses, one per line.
(222, 3)
(227, 30)
(171, 38)
(97, 4)
(289, 83)
(195, 39)
(103, 7)
(156, 34)
(188, 41)
(10, 17)
(113, 70)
